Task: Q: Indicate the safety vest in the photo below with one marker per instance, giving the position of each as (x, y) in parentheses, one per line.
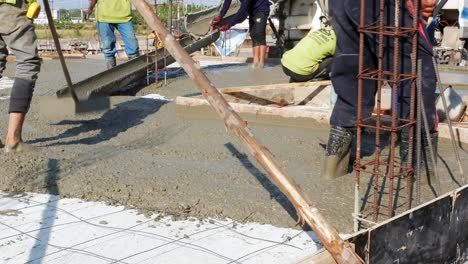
(114, 11)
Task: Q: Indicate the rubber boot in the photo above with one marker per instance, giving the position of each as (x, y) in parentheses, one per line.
(133, 56)
(110, 63)
(337, 153)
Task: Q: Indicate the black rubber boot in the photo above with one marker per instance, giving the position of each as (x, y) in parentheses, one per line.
(337, 153)
(110, 63)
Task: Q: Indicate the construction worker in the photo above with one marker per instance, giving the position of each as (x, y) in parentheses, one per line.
(17, 33)
(312, 57)
(258, 12)
(111, 15)
(345, 17)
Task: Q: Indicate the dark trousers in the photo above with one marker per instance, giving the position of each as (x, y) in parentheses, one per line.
(323, 72)
(257, 28)
(345, 20)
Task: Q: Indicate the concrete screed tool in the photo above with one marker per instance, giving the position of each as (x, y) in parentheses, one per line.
(85, 105)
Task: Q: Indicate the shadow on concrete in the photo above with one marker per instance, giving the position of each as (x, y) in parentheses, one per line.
(262, 178)
(115, 121)
(275, 192)
(449, 170)
(39, 249)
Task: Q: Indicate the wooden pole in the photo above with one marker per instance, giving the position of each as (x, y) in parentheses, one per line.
(341, 250)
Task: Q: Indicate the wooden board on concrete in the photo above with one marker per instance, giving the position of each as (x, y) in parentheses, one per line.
(315, 97)
(287, 112)
(290, 100)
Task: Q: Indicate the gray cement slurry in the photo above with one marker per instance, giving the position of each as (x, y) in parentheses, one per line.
(157, 157)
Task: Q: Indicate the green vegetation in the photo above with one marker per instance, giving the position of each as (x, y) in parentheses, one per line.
(67, 29)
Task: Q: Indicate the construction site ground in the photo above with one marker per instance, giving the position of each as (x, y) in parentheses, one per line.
(149, 154)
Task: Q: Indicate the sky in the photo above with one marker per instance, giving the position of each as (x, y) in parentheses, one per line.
(75, 4)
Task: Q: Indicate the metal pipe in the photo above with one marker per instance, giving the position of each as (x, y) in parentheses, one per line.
(340, 250)
(428, 137)
(449, 122)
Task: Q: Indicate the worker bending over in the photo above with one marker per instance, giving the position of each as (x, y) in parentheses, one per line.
(345, 17)
(312, 57)
(111, 15)
(258, 12)
(17, 33)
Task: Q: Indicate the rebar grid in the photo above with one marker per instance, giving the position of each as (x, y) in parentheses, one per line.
(378, 122)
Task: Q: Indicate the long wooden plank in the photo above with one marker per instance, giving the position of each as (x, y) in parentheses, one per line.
(320, 115)
(273, 86)
(306, 211)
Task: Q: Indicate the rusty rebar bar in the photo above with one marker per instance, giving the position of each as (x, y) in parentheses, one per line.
(414, 68)
(357, 164)
(395, 77)
(378, 149)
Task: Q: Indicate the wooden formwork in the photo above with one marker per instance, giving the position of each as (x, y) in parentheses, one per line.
(312, 100)
(434, 232)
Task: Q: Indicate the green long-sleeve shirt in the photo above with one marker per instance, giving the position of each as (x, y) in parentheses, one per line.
(305, 57)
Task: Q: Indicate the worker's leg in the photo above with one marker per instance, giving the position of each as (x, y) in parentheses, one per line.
(256, 54)
(22, 41)
(127, 32)
(345, 19)
(257, 25)
(263, 51)
(428, 81)
(323, 72)
(3, 55)
(294, 77)
(106, 33)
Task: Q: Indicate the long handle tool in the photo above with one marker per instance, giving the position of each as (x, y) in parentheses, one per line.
(81, 106)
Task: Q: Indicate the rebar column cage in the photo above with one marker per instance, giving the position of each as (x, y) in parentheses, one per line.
(378, 166)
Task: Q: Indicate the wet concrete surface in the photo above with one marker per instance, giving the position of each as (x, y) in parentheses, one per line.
(158, 157)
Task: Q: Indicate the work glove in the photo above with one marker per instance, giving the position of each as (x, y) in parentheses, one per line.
(224, 27)
(216, 20)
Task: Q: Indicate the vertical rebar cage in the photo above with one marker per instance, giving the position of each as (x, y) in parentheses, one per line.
(383, 170)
